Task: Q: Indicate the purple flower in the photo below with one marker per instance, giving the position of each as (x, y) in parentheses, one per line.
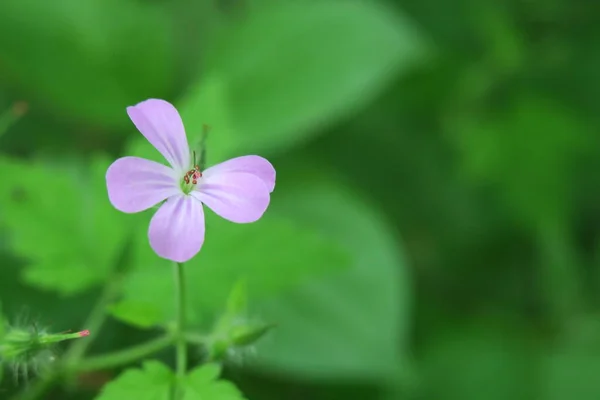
(238, 189)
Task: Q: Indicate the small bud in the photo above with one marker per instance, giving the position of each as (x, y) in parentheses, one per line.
(230, 339)
(31, 349)
(246, 335)
(84, 333)
(218, 349)
(233, 332)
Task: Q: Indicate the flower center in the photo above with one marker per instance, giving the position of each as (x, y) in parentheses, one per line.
(190, 179)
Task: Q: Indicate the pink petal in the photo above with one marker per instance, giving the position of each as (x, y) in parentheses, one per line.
(135, 184)
(177, 229)
(254, 165)
(236, 196)
(161, 125)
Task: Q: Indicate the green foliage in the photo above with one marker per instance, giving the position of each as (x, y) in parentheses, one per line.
(348, 324)
(569, 369)
(2, 323)
(258, 253)
(89, 59)
(137, 313)
(153, 382)
(484, 358)
(237, 301)
(55, 216)
(203, 383)
(311, 72)
(516, 150)
(235, 328)
(484, 159)
(2, 334)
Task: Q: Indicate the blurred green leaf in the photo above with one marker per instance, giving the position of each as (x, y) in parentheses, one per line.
(61, 222)
(152, 382)
(289, 67)
(351, 324)
(237, 301)
(2, 322)
(136, 313)
(570, 367)
(87, 60)
(203, 383)
(529, 153)
(486, 359)
(10, 116)
(2, 333)
(270, 255)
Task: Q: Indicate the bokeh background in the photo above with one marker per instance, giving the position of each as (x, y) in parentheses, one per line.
(434, 231)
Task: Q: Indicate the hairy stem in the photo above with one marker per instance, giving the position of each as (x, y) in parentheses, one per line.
(76, 352)
(180, 327)
(122, 357)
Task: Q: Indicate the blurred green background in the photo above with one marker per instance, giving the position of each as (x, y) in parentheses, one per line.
(434, 232)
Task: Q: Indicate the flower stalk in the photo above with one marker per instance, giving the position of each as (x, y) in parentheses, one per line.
(180, 327)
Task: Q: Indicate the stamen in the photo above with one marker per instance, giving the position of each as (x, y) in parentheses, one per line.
(192, 176)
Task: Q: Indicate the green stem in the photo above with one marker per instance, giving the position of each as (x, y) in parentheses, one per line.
(74, 354)
(180, 335)
(560, 278)
(197, 339)
(122, 357)
(94, 321)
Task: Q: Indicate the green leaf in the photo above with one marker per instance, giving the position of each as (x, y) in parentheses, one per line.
(237, 302)
(570, 368)
(2, 334)
(202, 383)
(153, 382)
(88, 59)
(290, 67)
(136, 313)
(351, 324)
(488, 358)
(256, 253)
(537, 144)
(68, 231)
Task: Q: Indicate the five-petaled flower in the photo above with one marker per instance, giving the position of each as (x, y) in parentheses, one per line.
(238, 189)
